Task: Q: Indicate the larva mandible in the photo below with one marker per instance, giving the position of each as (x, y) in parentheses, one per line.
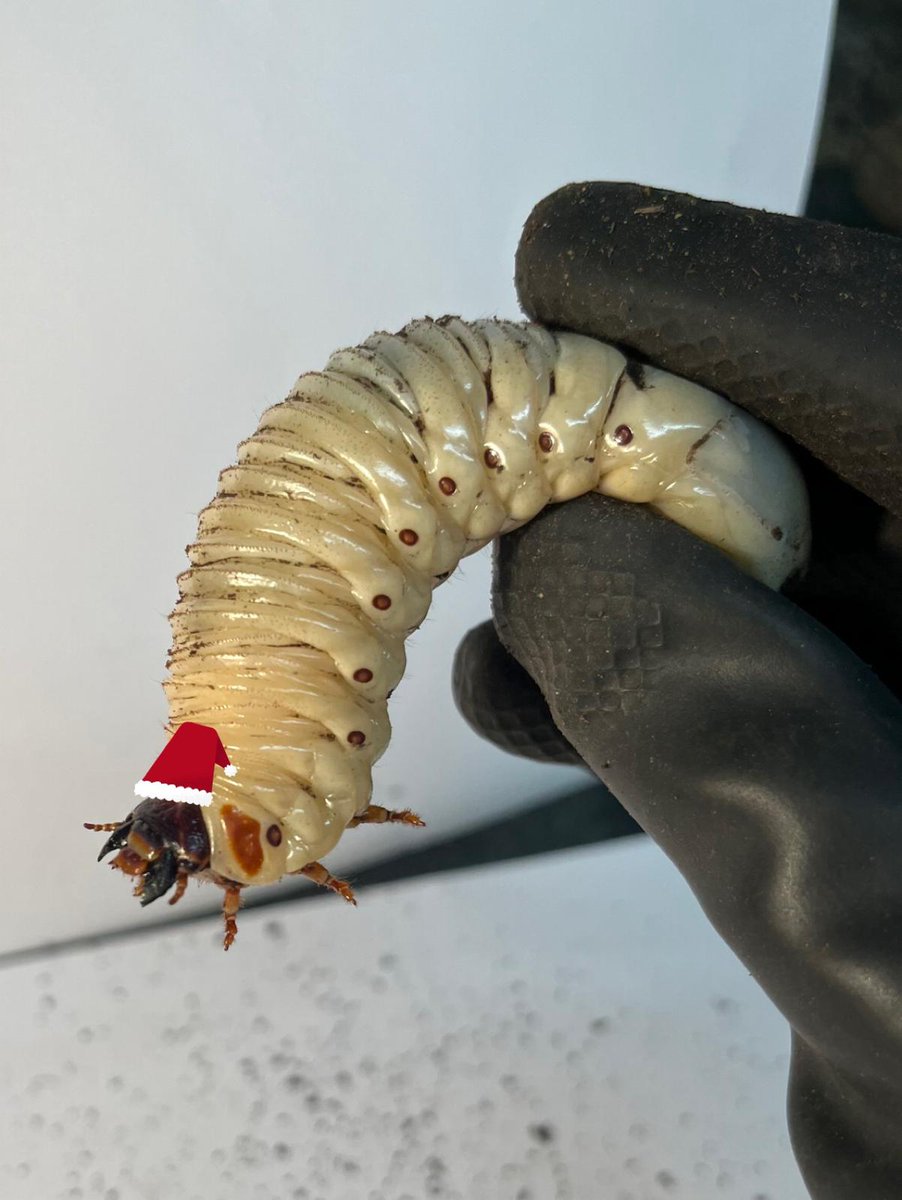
(355, 497)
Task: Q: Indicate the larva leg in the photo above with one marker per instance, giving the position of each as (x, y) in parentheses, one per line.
(181, 884)
(377, 815)
(230, 906)
(318, 873)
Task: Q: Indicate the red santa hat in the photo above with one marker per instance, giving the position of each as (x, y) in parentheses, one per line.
(184, 771)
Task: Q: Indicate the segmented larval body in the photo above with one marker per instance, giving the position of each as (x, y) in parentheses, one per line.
(364, 489)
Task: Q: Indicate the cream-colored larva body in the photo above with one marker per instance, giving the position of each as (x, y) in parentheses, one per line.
(364, 489)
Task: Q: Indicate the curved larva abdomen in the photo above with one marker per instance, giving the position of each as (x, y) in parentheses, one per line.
(364, 489)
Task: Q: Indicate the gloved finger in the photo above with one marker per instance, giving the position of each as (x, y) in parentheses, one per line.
(765, 759)
(798, 321)
(500, 701)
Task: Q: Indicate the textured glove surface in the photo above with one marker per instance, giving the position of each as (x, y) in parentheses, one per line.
(765, 760)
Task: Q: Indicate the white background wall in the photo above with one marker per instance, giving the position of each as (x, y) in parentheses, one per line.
(200, 201)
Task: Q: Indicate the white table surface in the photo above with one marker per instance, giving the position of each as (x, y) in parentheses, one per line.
(559, 1028)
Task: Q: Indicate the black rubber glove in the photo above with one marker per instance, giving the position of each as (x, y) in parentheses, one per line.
(752, 744)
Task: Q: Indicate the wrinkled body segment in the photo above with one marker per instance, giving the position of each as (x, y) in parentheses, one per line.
(365, 488)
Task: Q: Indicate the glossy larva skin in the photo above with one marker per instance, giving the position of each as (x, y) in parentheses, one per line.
(370, 482)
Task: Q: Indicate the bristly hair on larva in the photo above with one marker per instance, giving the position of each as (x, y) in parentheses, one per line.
(353, 499)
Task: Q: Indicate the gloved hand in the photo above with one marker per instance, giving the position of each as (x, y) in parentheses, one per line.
(754, 746)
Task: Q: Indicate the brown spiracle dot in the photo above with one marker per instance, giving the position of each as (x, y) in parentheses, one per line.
(447, 486)
(363, 675)
(622, 435)
(409, 537)
(492, 458)
(274, 835)
(546, 442)
(382, 601)
(356, 737)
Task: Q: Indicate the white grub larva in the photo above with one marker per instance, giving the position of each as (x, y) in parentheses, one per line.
(357, 495)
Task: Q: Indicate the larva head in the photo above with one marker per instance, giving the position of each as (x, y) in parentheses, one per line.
(160, 842)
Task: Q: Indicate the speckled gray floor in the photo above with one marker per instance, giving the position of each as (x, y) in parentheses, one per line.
(559, 1027)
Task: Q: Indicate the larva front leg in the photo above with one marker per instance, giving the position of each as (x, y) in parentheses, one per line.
(318, 873)
(230, 905)
(354, 498)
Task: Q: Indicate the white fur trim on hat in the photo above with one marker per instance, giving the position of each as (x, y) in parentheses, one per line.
(230, 771)
(148, 790)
